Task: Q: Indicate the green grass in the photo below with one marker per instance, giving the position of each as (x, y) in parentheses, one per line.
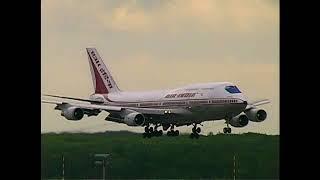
(163, 157)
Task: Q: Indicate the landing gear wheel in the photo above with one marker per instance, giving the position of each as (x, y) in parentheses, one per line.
(172, 133)
(146, 129)
(192, 135)
(176, 133)
(229, 130)
(169, 133)
(151, 130)
(194, 130)
(198, 130)
(225, 130)
(155, 133)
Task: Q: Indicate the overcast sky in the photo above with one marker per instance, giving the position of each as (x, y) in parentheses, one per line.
(160, 44)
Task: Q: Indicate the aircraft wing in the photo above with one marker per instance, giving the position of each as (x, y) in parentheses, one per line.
(257, 103)
(72, 98)
(61, 105)
(114, 109)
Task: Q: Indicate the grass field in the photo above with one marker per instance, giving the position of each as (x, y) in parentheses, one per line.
(132, 157)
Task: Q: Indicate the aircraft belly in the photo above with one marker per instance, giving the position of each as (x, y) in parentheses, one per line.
(169, 119)
(200, 113)
(216, 112)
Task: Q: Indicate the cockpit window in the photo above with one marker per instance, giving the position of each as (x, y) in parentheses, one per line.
(232, 89)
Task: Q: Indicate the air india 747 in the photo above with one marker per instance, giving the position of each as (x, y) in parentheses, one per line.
(188, 105)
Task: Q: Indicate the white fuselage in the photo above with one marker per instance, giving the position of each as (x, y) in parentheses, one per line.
(209, 101)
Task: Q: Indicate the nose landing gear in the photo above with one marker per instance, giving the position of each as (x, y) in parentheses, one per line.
(227, 129)
(195, 132)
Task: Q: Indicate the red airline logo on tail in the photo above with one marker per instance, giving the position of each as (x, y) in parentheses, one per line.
(102, 70)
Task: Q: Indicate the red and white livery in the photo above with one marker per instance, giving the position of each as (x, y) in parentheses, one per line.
(188, 105)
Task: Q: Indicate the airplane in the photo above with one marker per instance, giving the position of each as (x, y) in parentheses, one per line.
(187, 105)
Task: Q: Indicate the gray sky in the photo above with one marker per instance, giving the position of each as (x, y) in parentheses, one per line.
(160, 44)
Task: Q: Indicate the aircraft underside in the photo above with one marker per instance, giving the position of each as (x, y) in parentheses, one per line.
(198, 115)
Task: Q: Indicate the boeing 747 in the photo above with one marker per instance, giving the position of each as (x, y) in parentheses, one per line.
(188, 105)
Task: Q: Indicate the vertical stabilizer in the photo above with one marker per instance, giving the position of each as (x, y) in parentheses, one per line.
(102, 80)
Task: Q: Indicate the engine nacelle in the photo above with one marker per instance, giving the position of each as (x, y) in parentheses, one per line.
(134, 119)
(72, 113)
(239, 121)
(256, 115)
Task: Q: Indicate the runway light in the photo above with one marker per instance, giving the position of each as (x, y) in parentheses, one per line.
(101, 160)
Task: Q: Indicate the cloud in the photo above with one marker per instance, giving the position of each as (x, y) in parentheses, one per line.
(205, 14)
(126, 18)
(171, 16)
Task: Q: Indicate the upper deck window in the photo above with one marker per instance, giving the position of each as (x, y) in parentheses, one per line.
(232, 89)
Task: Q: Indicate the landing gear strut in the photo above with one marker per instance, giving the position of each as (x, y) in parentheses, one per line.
(195, 132)
(172, 132)
(227, 129)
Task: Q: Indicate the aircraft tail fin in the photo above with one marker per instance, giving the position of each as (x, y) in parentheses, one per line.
(103, 82)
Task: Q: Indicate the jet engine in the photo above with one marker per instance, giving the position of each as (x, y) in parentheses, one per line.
(239, 121)
(72, 113)
(256, 115)
(134, 119)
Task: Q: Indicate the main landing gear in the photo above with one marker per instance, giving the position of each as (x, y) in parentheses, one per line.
(195, 132)
(173, 132)
(149, 132)
(227, 129)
